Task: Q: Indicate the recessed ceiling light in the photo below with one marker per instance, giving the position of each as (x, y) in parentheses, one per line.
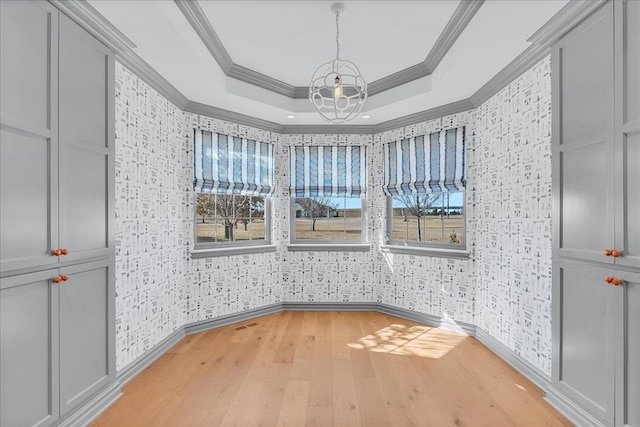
(290, 116)
(366, 116)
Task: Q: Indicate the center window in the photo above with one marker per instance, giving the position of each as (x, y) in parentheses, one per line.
(327, 185)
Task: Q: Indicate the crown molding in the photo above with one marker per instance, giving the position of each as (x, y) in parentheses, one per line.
(527, 59)
(398, 79)
(147, 73)
(231, 116)
(86, 16)
(463, 14)
(562, 22)
(91, 20)
(423, 116)
(203, 28)
(328, 129)
(263, 81)
(194, 14)
(201, 25)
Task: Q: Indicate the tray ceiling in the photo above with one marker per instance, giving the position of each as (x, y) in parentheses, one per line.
(285, 41)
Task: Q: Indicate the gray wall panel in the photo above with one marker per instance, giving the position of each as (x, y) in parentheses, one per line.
(585, 198)
(28, 343)
(84, 325)
(632, 206)
(24, 211)
(586, 353)
(24, 57)
(85, 145)
(83, 87)
(632, 61)
(632, 354)
(587, 83)
(83, 202)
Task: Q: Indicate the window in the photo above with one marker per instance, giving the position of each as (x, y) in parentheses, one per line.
(230, 218)
(424, 181)
(428, 218)
(328, 218)
(327, 185)
(233, 179)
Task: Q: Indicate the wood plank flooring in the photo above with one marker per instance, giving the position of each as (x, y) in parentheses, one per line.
(330, 369)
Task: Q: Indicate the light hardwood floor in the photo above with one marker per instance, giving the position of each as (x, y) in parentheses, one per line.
(330, 369)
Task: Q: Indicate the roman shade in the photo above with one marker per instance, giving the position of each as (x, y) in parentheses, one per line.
(431, 163)
(231, 165)
(327, 171)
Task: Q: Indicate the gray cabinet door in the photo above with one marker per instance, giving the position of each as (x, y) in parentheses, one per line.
(86, 330)
(628, 362)
(583, 139)
(585, 317)
(627, 134)
(28, 135)
(28, 349)
(86, 100)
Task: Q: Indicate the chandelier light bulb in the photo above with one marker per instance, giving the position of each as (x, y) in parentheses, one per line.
(337, 88)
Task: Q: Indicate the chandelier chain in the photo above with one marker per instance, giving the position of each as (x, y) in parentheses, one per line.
(337, 35)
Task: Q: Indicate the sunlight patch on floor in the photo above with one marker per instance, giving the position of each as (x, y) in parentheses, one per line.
(421, 341)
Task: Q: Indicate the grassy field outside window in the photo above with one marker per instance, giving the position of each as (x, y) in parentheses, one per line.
(428, 219)
(327, 219)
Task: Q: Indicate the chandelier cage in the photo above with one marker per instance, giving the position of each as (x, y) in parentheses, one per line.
(337, 89)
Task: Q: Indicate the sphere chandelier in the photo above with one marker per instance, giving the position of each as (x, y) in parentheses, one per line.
(337, 90)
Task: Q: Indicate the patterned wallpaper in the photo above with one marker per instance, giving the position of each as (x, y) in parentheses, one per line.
(324, 276)
(150, 228)
(512, 199)
(438, 286)
(504, 287)
(225, 285)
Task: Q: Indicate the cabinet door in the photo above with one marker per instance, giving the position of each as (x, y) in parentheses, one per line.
(28, 350)
(86, 92)
(87, 324)
(627, 150)
(584, 323)
(28, 135)
(628, 351)
(583, 139)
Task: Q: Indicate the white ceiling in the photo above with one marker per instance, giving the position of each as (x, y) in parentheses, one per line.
(287, 40)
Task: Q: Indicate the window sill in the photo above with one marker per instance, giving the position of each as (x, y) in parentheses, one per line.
(431, 252)
(230, 251)
(329, 247)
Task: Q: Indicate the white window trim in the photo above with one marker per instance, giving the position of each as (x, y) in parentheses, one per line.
(329, 244)
(241, 247)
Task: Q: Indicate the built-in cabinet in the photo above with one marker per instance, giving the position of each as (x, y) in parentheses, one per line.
(596, 238)
(57, 339)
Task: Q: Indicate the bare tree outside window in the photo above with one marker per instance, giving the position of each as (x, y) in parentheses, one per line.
(219, 216)
(315, 208)
(327, 219)
(417, 206)
(428, 219)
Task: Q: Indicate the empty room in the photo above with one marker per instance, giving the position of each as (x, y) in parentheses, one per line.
(319, 213)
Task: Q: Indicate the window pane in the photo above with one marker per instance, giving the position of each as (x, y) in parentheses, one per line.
(258, 229)
(205, 230)
(428, 218)
(226, 218)
(328, 218)
(353, 222)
